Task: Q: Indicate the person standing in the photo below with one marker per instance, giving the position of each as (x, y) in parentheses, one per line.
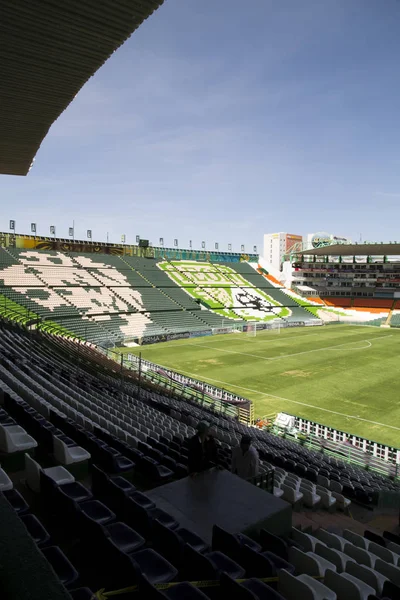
(245, 459)
(197, 447)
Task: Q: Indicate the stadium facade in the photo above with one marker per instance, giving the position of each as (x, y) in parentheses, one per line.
(370, 272)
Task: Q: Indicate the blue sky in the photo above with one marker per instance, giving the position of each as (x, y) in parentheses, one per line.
(221, 120)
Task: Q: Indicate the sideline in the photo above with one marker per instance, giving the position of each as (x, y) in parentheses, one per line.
(333, 412)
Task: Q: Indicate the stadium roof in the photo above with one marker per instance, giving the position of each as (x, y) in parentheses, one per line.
(355, 250)
(48, 51)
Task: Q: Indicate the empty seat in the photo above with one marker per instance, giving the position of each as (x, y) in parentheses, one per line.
(94, 510)
(5, 481)
(250, 589)
(392, 537)
(332, 540)
(388, 570)
(180, 591)
(323, 481)
(64, 570)
(209, 566)
(304, 587)
(310, 498)
(375, 537)
(278, 493)
(231, 544)
(356, 539)
(328, 501)
(307, 541)
(128, 568)
(171, 543)
(309, 563)
(39, 534)
(17, 502)
(347, 586)
(384, 553)
(68, 455)
(339, 559)
(290, 495)
(342, 503)
(59, 475)
(393, 547)
(122, 536)
(15, 439)
(373, 578)
(273, 543)
(335, 486)
(361, 556)
(263, 564)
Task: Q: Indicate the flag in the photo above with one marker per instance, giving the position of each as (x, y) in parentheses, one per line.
(52, 230)
(175, 242)
(137, 239)
(71, 232)
(89, 234)
(161, 241)
(190, 243)
(33, 227)
(255, 249)
(230, 247)
(123, 238)
(242, 247)
(12, 225)
(203, 244)
(216, 245)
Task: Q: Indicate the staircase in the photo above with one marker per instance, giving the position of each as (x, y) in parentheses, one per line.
(388, 320)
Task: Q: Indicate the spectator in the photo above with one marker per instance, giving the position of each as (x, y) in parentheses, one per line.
(201, 449)
(245, 460)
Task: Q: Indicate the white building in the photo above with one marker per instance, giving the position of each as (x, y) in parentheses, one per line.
(276, 245)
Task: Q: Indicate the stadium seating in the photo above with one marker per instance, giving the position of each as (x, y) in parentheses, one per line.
(145, 433)
(102, 298)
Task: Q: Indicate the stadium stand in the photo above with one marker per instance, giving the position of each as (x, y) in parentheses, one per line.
(106, 299)
(66, 402)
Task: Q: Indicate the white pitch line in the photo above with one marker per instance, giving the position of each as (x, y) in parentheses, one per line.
(295, 353)
(239, 338)
(334, 412)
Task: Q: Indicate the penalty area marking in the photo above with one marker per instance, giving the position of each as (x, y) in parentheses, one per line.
(333, 412)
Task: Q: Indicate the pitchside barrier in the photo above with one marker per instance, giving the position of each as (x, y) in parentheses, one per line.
(206, 394)
(346, 446)
(187, 388)
(224, 329)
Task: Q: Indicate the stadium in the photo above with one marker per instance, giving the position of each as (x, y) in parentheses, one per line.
(114, 356)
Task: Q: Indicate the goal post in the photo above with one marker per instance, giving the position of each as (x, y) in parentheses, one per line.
(264, 327)
(274, 327)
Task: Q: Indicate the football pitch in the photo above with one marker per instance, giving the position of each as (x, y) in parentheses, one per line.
(342, 376)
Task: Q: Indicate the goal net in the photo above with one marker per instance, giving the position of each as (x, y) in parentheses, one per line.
(227, 329)
(254, 326)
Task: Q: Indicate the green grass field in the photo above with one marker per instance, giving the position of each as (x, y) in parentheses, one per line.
(343, 376)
